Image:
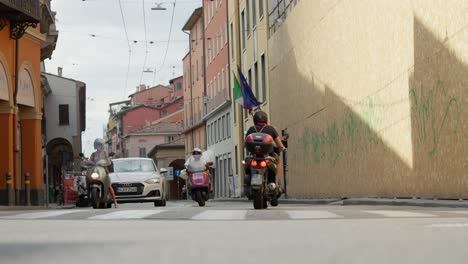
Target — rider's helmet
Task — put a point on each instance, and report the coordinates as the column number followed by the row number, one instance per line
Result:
column 97, row 142
column 260, row 117
column 196, row 151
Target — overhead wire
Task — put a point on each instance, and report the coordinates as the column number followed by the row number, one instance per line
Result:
column 146, row 41
column 129, row 48
column 156, row 70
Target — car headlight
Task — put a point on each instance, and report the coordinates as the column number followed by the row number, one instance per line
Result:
column 94, row 175
column 153, row 181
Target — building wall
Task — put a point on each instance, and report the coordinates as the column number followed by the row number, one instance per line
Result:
column 138, row 117
column 21, row 153
column 193, row 96
column 178, row 86
column 173, row 107
column 151, row 96
column 64, row 91
column 134, row 143
column 375, row 93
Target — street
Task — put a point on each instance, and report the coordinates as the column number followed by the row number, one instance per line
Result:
column 232, row 232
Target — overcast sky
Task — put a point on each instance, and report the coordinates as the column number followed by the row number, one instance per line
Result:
column 92, row 48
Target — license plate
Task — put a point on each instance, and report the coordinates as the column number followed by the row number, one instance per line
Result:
column 256, row 179
column 198, row 176
column 127, row 189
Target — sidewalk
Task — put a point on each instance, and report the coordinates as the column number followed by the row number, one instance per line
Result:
column 366, row 201
column 51, row 206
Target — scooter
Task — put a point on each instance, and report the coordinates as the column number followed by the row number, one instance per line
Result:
column 98, row 183
column 83, row 197
column 199, row 184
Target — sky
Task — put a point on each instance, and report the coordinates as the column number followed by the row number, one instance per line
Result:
column 92, row 47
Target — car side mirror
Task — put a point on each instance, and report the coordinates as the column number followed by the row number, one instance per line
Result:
column 162, row 170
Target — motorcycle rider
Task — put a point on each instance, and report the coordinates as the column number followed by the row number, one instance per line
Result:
column 197, row 163
column 101, row 154
column 260, row 119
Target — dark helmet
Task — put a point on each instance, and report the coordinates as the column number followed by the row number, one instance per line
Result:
column 260, row 116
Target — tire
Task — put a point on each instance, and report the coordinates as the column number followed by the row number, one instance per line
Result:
column 258, row 201
column 95, row 198
column 199, row 198
column 274, row 202
column 265, row 203
column 160, row 203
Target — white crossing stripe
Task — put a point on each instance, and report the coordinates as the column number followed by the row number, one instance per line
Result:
column 127, row 214
column 391, row 213
column 221, row 215
column 314, row 214
column 455, row 212
column 37, row 215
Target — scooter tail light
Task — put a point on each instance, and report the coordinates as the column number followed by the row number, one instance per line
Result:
column 254, row 163
column 263, row 164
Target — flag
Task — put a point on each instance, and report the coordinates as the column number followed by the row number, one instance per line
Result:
column 237, row 92
column 249, row 100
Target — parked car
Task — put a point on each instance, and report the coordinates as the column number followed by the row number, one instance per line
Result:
column 138, row 180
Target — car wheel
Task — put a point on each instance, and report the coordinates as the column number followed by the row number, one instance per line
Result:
column 160, row 203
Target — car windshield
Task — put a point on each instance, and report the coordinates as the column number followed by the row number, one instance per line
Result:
column 134, row 165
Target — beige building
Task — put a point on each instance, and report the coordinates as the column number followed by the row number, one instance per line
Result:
column 248, row 47
column 374, row 95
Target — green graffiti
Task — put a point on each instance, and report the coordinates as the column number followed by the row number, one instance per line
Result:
column 433, row 113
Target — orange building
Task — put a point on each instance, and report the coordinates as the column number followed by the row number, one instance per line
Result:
column 27, row 36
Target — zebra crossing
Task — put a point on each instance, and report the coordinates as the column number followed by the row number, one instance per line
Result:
column 217, row 214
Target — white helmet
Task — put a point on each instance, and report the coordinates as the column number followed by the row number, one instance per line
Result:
column 196, row 151
column 98, row 141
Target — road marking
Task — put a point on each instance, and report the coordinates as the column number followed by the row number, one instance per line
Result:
column 127, row 214
column 315, row 214
column 454, row 212
column 449, row 225
column 37, row 215
column 391, row 213
column 221, row 215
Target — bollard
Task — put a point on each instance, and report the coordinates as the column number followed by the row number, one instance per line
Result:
column 27, row 185
column 9, row 186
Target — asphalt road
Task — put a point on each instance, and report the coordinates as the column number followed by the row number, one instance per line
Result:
column 234, row 233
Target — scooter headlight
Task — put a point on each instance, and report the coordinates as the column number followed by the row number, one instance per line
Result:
column 153, row 181
column 94, row 175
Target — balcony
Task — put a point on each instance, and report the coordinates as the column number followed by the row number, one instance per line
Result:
column 21, row 14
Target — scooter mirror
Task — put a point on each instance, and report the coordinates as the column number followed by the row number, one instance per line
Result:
column 162, row 170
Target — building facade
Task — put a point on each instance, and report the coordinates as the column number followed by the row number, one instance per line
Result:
column 376, row 100
column 23, row 44
column 194, row 94
column 218, row 96
column 248, row 51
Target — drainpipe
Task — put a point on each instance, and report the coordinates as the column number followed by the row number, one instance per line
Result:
column 16, row 149
column 191, row 86
column 204, row 69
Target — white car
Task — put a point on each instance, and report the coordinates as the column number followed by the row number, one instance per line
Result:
column 138, row 180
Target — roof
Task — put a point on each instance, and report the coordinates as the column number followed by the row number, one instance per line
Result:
column 61, row 77
column 133, row 108
column 173, row 79
column 155, row 87
column 162, row 127
column 179, row 143
column 197, row 14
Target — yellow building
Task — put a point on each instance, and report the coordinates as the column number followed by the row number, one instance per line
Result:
column 24, row 42
column 374, row 95
column 248, row 51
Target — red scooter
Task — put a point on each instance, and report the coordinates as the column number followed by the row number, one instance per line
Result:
column 199, row 185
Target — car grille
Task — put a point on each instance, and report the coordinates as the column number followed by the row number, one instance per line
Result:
column 140, row 187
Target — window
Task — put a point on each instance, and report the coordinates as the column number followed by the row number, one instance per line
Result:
column 179, row 86
column 229, row 164
column 170, row 138
column 219, row 129
column 243, row 31
column 142, row 152
column 254, row 13
column 227, row 76
column 264, row 92
column 212, row 134
column 219, row 82
column 228, row 125
column 257, row 94
column 237, row 159
column 214, row 88
column 164, row 113
column 216, row 131
column 260, row 9
column 181, row 105
column 222, row 80
column 247, row 8
column 64, row 119
column 208, row 141
column 232, row 41
column 223, row 121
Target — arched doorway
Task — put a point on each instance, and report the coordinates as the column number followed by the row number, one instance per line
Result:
column 60, row 158
column 176, row 185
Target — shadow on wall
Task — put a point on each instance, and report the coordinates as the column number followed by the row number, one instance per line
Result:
column 339, row 151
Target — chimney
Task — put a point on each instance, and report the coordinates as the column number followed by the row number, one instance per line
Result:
column 60, row 69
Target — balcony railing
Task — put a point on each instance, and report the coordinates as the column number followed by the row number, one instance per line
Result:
column 22, row 10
